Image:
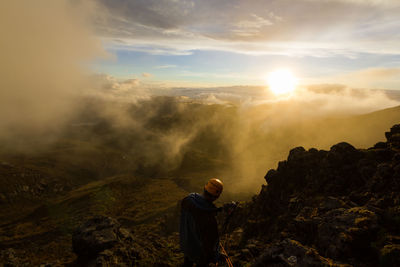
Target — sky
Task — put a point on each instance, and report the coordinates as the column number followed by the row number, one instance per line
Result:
column 236, row 42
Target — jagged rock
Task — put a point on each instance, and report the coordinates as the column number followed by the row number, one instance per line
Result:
column 396, row 158
column 379, row 155
column 344, row 203
column 3, row 198
column 331, row 203
column 102, row 242
column 384, row 170
column 343, row 154
column 292, row 253
column 390, row 255
column 396, row 174
column 367, row 168
column 395, row 128
column 9, row 259
column 342, row 148
column 296, row 153
column 95, row 235
column 346, row 232
column 393, row 137
column 381, row 145
column 270, row 175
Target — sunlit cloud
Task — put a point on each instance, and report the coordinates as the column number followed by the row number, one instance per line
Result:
column 367, row 2
column 165, row 66
column 131, row 82
column 252, row 26
column 369, row 78
column 312, row 100
column 146, row 75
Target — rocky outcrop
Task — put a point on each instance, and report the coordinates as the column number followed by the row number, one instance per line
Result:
column 9, row 258
column 326, row 208
column 101, row 241
column 319, row 208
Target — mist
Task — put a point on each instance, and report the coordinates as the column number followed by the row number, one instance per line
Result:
column 44, row 46
column 235, row 135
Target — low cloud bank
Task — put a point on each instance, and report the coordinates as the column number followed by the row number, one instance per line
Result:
column 236, row 133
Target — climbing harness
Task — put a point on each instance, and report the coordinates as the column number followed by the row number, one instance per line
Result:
column 223, row 232
column 228, row 260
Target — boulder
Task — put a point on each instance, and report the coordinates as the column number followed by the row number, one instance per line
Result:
column 296, row 153
column 343, row 148
column 381, row 145
column 95, row 235
column 331, row 203
column 344, row 233
column 101, row 241
column 390, row 255
column 9, row 258
column 393, row 137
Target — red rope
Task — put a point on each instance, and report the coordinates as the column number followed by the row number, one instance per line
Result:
column 228, row 260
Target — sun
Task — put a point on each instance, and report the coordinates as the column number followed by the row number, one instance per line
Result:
column 281, row 81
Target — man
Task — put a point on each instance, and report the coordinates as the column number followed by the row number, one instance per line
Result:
column 199, row 238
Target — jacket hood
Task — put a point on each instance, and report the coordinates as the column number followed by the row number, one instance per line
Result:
column 201, row 202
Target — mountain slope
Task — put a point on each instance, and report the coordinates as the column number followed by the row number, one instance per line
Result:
column 46, row 194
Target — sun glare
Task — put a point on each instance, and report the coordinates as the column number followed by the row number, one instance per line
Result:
column 281, row 81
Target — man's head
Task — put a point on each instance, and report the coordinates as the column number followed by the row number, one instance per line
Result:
column 213, row 189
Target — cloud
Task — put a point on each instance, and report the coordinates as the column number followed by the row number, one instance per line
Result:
column 146, row 75
column 150, row 47
column 44, row 46
column 390, row 3
column 252, row 26
column 106, row 82
column 321, row 99
column 311, row 101
column 109, row 88
column 378, row 73
column 370, row 78
column 303, row 27
column 131, row 82
column 165, row 67
column 340, row 99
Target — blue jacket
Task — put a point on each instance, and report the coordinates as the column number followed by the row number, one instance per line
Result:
column 199, row 238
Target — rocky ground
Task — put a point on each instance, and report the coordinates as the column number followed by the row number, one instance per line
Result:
column 45, row 235
column 337, row 207
column 325, row 208
column 320, row 208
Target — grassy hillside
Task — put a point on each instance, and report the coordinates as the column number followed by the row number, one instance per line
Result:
column 44, row 235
